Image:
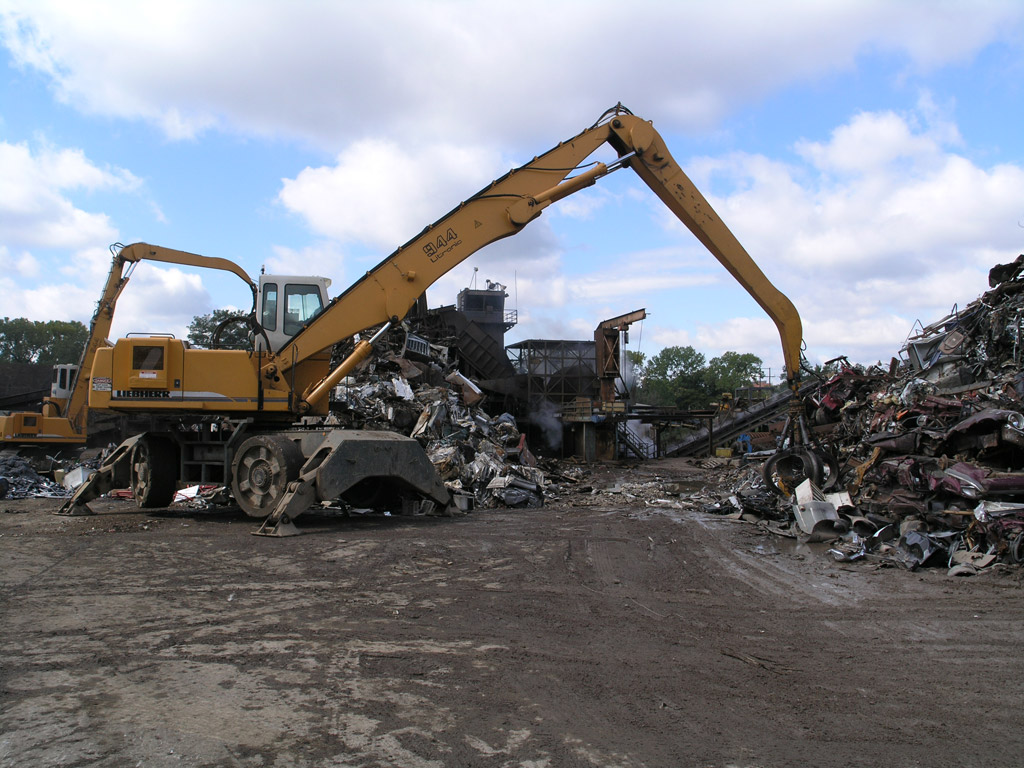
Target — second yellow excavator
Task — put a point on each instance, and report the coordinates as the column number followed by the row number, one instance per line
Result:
column 63, row 418
column 239, row 417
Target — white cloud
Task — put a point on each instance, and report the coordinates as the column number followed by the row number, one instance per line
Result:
column 68, row 293
column 157, row 299
column 628, row 286
column 868, row 143
column 411, row 99
column 51, row 264
column 583, row 205
column 382, row 194
column 915, row 225
column 337, row 71
column 35, row 210
column 23, row 264
column 324, row 259
column 885, row 142
column 160, row 300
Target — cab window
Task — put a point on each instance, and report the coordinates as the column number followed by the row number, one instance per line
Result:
column 302, row 303
column 269, row 320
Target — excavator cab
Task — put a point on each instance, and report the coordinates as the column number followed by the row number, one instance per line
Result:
column 61, row 387
column 63, row 381
column 286, row 303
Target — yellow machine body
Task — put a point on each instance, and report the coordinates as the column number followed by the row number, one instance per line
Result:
column 27, row 428
column 163, row 374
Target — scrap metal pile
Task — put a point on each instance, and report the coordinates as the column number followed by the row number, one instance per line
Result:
column 931, row 450
column 476, row 455
column 20, row 480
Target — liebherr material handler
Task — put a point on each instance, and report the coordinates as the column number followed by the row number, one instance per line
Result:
column 237, row 417
column 63, row 419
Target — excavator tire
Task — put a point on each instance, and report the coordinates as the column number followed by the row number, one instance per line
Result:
column 262, row 468
column 154, row 471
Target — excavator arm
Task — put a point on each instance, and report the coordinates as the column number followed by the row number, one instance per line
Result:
column 506, row 206
column 64, row 421
column 123, row 264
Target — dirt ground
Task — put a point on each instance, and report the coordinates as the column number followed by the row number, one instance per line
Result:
column 593, row 632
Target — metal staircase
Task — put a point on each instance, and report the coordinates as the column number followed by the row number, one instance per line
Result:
column 637, row 445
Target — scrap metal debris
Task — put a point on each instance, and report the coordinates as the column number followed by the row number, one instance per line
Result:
column 931, row 449
column 478, row 456
column 19, row 480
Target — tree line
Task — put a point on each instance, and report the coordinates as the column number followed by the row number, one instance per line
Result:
column 47, row 343
column 684, row 378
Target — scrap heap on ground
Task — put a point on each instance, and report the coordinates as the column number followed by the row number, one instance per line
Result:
column 20, row 480
column 931, row 449
column 477, row 455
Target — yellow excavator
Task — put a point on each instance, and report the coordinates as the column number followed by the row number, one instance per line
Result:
column 248, row 418
column 63, row 419
column 59, row 422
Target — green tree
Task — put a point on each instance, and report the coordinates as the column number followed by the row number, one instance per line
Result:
column 46, row 342
column 233, row 336
column 682, row 377
column 674, row 377
column 730, row 371
column 638, row 359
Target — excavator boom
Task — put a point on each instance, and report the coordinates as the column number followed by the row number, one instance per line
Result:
column 508, row 204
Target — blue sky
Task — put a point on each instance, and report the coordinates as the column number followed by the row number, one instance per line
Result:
column 867, row 154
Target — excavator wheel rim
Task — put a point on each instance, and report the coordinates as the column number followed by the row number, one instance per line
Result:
column 261, row 471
